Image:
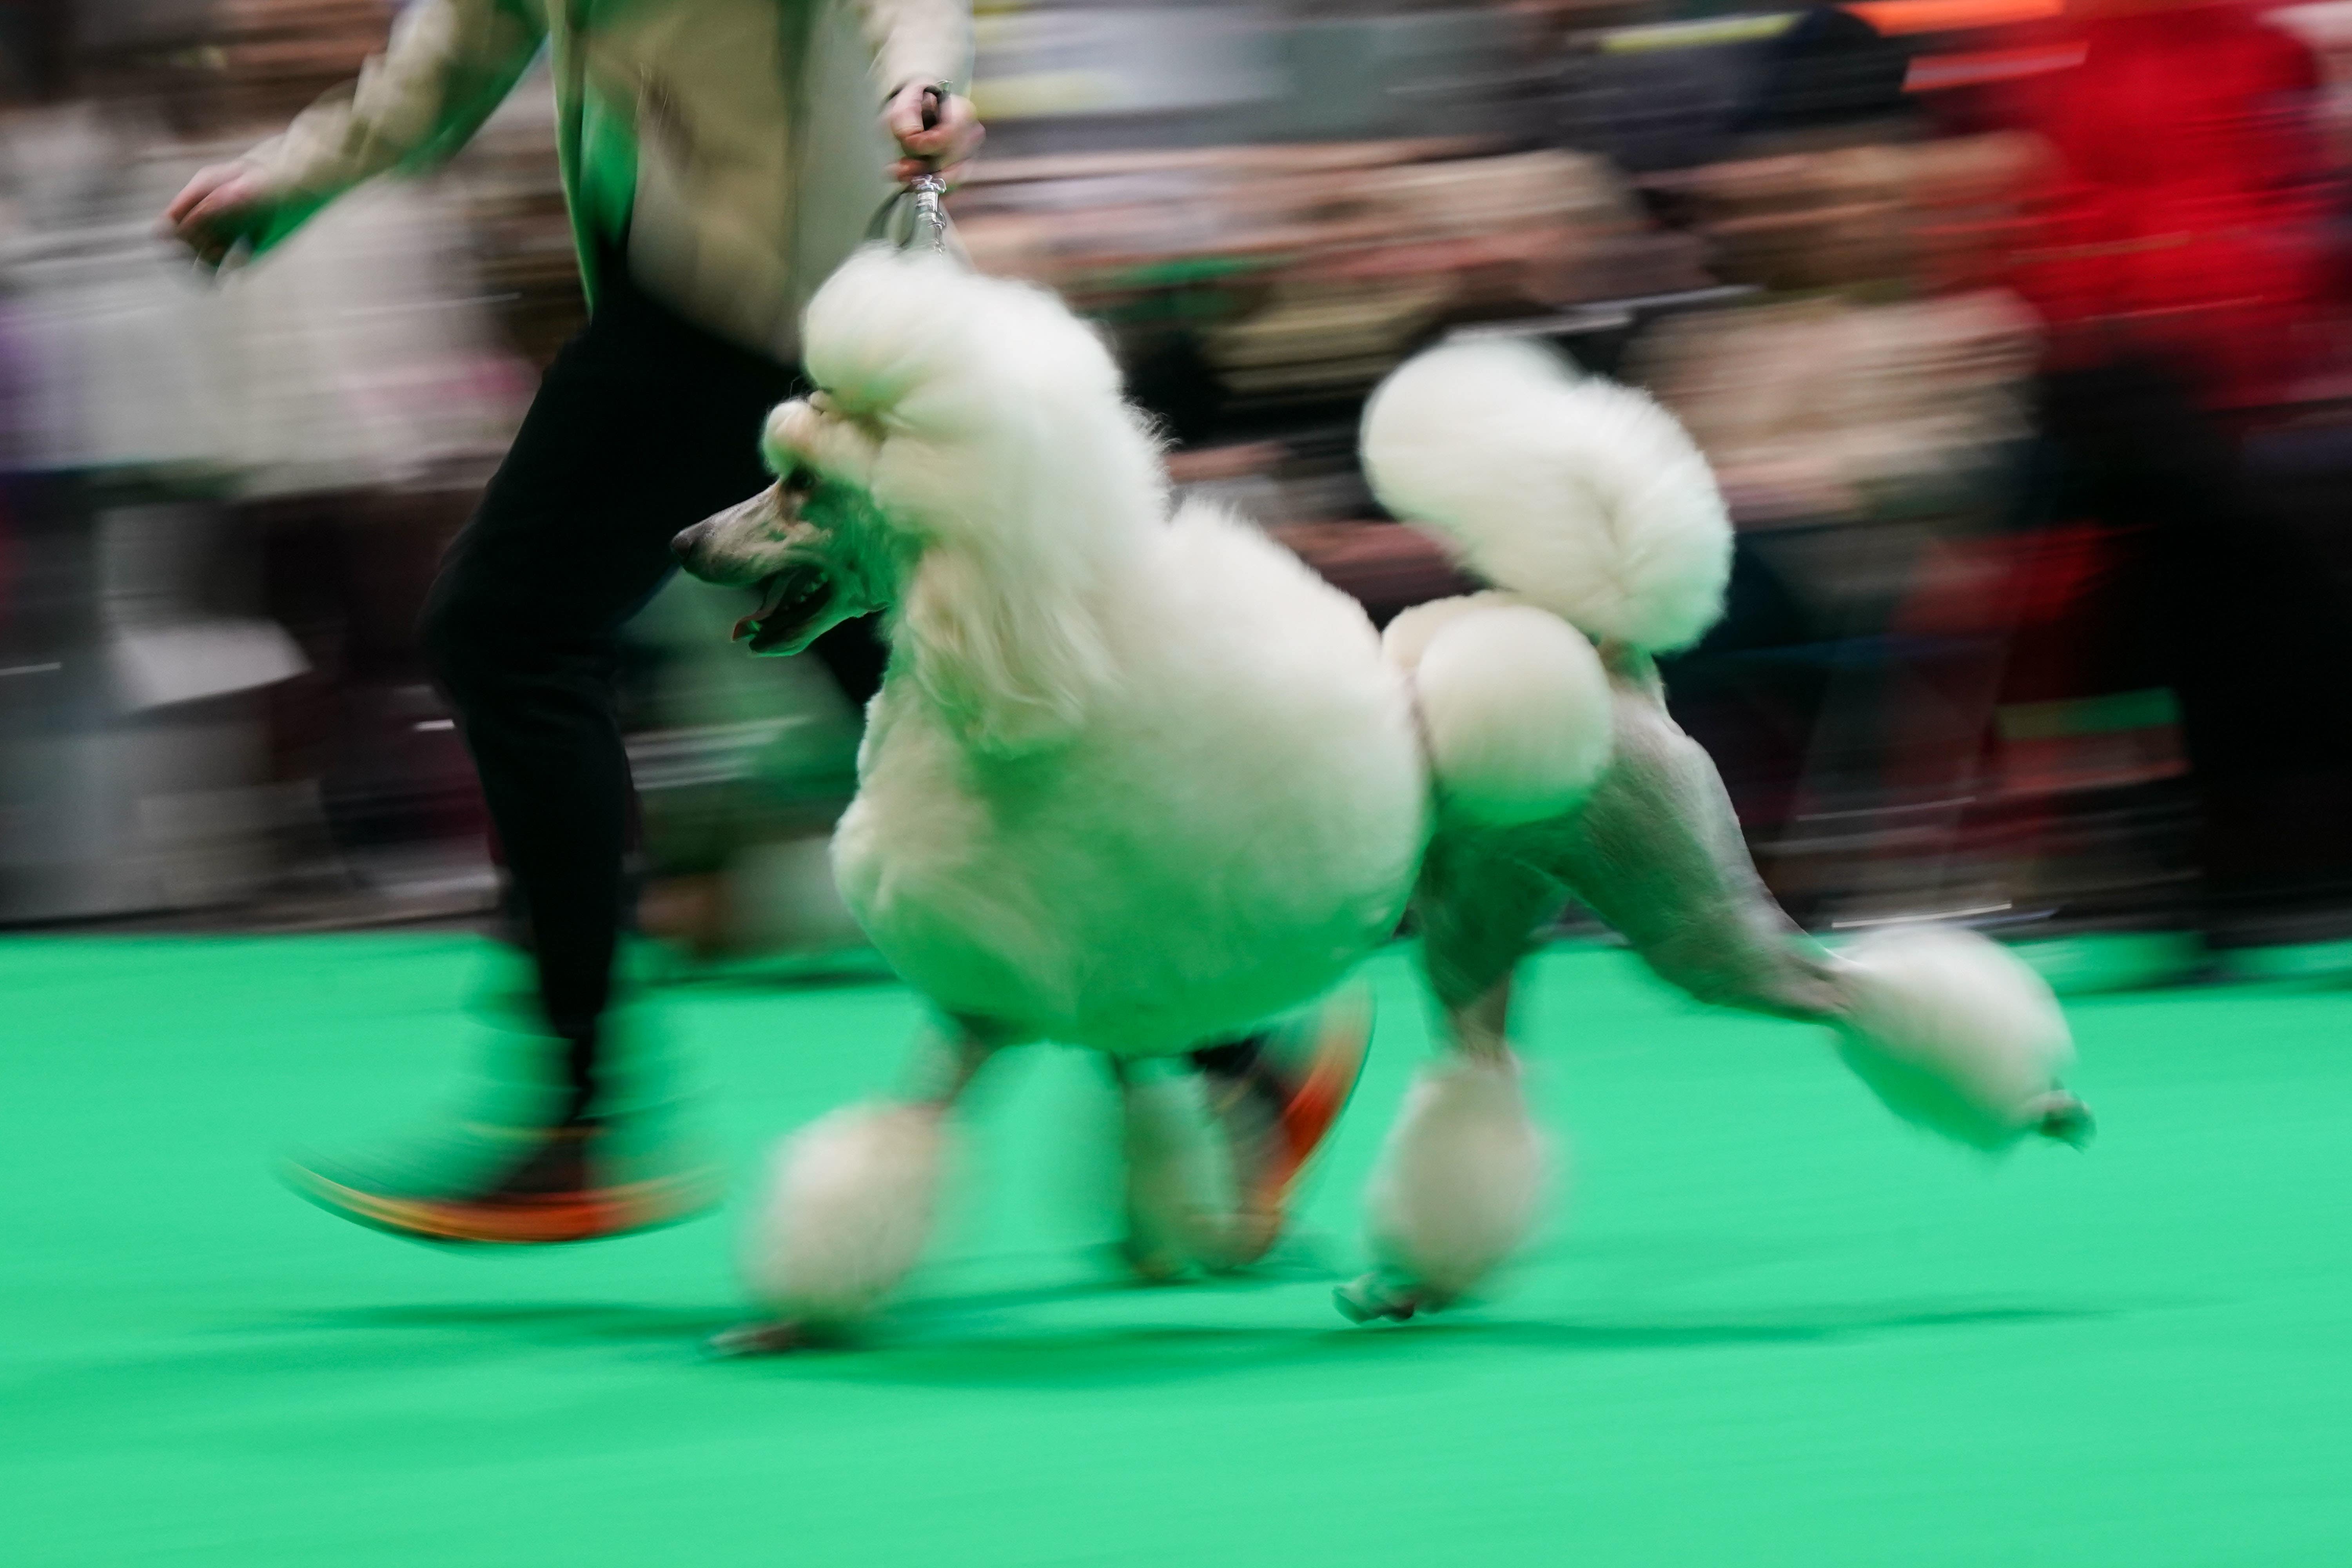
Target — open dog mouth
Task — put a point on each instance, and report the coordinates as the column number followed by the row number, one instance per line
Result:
column 790, row 602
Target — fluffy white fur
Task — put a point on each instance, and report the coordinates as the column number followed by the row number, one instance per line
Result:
column 1135, row 781
column 846, row 1211
column 1461, row 1180
column 1179, row 1202
column 1954, row 1033
column 1515, row 706
column 1409, row 635
column 988, row 424
column 1579, row 494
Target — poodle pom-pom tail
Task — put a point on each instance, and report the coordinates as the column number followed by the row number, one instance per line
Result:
column 1578, row 494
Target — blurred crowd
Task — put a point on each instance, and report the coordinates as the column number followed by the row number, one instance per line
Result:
column 2016, row 331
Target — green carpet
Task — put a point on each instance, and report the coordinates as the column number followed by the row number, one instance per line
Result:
column 1770, row 1326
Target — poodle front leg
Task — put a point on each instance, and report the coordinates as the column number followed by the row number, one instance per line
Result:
column 1945, row 1027
column 1461, row 1178
column 1180, row 1206
column 1215, row 1154
column 849, row 1202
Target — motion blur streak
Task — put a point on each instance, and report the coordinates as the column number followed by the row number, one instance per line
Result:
column 2016, row 335
column 2019, row 333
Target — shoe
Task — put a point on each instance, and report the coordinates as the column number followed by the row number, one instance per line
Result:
column 546, row 1185
column 1278, row 1105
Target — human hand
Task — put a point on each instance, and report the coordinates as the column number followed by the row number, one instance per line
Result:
column 935, row 129
column 221, row 205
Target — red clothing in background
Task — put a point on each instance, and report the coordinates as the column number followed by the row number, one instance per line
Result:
column 2188, row 212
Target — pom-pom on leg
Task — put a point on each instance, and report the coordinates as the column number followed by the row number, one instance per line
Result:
column 846, row 1212
column 1515, row 712
column 1954, row 1035
column 1457, row 1190
column 1179, row 1213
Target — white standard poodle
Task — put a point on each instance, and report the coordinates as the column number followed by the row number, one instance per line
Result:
column 1587, row 505
column 1137, row 782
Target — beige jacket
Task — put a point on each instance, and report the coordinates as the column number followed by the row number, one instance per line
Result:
column 737, row 143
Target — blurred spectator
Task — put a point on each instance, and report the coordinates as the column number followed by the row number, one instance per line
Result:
column 1865, row 410
column 377, row 393
column 1968, row 607
column 134, row 650
column 2185, row 251
column 2031, row 423
column 2185, row 213
column 317, row 428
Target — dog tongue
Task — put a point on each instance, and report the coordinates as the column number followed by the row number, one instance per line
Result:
column 772, row 595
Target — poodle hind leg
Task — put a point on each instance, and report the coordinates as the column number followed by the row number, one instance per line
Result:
column 1461, row 1177
column 1658, row 853
column 848, row 1203
column 1954, row 1035
column 1946, row 1028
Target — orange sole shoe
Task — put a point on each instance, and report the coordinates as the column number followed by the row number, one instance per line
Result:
column 516, row 1219
column 1310, row 1105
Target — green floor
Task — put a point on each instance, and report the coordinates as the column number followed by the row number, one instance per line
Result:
column 1769, row 1325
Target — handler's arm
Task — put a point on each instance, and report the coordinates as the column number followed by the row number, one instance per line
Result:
column 920, row 44
column 448, row 65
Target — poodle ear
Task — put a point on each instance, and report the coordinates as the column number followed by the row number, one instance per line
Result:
column 1013, row 668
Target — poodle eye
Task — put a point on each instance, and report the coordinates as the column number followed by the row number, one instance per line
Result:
column 797, row 481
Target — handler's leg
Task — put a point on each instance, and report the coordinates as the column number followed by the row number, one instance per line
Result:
column 644, row 425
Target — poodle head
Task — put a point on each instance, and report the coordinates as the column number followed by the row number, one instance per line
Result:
column 813, row 544
column 969, row 466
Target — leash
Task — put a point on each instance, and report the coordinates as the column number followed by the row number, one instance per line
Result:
column 923, row 202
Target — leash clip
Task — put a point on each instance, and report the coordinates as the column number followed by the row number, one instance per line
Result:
column 929, row 192
column 926, row 225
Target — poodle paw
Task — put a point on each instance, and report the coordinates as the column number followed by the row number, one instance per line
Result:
column 1153, row 1264
column 1251, row 1236
column 1381, row 1297
column 2065, row 1119
column 765, row 1339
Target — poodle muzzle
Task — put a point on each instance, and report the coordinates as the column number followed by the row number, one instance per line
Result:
column 739, row 548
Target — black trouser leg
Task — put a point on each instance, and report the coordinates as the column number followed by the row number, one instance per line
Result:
column 2241, row 619
column 644, row 425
